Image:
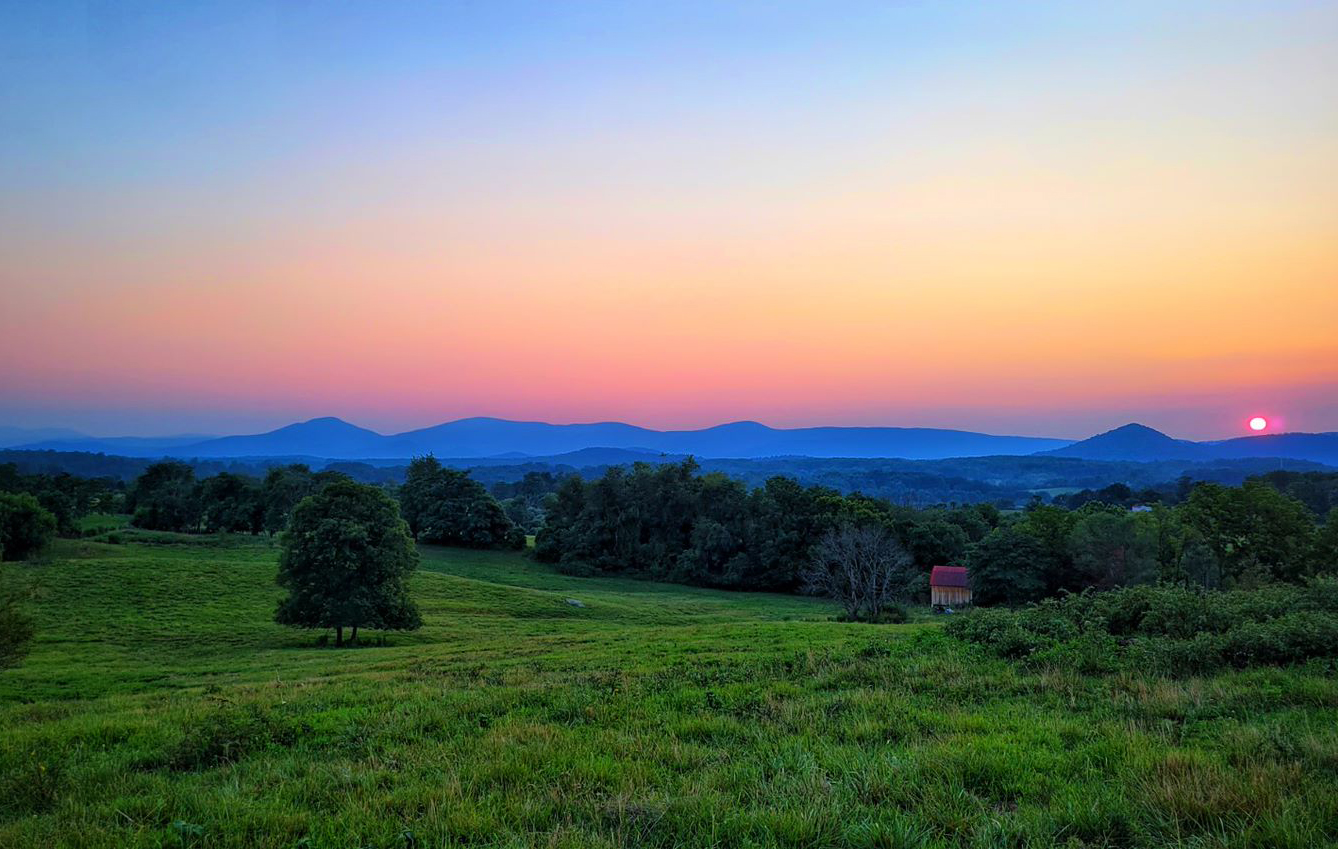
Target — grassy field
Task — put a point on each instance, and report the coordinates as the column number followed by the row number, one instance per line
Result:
column 161, row 707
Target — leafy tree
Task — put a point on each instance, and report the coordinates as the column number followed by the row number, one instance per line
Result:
column 64, row 495
column 525, row 515
column 1113, row 548
column 934, row 542
column 165, row 498
column 1052, row 527
column 863, row 568
column 1318, row 491
column 25, row 526
column 284, row 488
column 523, row 500
column 447, row 507
column 1199, row 565
column 784, row 518
column 16, row 629
column 1326, row 545
column 345, row 560
column 1256, row 533
column 975, row 521
column 1008, row 567
column 232, row 503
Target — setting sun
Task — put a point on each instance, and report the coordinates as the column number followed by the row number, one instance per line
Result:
column 1258, row 423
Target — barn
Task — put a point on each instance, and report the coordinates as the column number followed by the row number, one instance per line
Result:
column 949, row 586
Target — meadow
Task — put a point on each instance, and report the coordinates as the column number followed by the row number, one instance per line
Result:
column 161, row 706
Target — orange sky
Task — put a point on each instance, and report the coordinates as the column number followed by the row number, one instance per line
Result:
column 1058, row 227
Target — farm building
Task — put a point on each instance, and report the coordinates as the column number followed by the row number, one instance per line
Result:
column 949, row 586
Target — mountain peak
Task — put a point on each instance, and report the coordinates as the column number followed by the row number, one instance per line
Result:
column 1135, row 429
column 1133, row 441
column 744, row 425
column 323, row 424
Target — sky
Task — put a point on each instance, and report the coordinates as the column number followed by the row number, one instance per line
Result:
column 1036, row 218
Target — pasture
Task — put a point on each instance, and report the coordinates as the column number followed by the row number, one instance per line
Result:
column 162, row 707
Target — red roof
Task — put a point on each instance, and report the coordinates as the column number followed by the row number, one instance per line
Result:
column 948, row 576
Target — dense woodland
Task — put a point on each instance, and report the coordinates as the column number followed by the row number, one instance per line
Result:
column 671, row 522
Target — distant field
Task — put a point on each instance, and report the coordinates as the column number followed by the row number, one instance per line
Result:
column 161, row 707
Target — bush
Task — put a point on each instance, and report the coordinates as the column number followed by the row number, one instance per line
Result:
column 25, row 526
column 894, row 614
column 227, row 736
column 1171, row 630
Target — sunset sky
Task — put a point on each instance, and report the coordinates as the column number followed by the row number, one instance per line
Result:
column 1032, row 218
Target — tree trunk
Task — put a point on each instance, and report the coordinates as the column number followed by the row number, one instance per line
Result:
column 339, row 636
column 353, row 638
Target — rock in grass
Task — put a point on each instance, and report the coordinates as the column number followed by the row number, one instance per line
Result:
column 575, row 602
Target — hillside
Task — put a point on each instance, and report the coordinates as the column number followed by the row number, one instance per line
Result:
column 161, row 707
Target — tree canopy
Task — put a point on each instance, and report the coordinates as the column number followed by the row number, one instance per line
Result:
column 345, row 561
column 165, row 498
column 447, row 507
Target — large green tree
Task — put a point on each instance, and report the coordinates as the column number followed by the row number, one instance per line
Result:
column 346, row 559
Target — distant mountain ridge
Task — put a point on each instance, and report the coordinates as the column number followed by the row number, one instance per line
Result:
column 488, row 437
column 10, row 435
column 502, row 439
column 1141, row 443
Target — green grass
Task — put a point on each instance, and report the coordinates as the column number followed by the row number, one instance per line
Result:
column 100, row 523
column 161, row 707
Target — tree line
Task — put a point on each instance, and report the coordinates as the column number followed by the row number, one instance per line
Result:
column 670, row 523
column 442, row 506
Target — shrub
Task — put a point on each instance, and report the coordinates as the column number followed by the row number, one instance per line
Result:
column 226, row 736
column 1171, row 630
column 25, row 526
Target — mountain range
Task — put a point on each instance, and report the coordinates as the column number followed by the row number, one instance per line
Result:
column 490, row 438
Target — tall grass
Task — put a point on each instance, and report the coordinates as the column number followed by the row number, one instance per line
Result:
column 161, row 707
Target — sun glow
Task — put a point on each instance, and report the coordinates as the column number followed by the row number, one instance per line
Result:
column 1258, row 423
